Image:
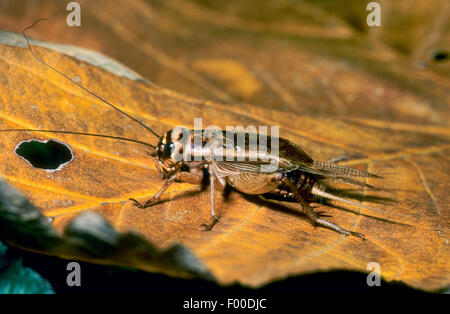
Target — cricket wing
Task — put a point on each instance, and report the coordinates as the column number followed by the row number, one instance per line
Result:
column 292, row 156
column 285, row 154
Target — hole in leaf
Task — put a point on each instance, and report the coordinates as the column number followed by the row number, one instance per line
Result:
column 49, row 155
column 439, row 56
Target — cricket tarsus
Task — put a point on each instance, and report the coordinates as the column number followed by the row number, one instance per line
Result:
column 140, row 205
column 79, row 85
column 212, row 222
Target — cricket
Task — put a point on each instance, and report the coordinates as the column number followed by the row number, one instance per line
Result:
column 297, row 177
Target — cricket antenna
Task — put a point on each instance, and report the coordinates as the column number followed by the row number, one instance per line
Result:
column 79, row 85
column 81, row 133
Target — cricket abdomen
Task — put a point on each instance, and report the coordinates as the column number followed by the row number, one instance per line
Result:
column 303, row 182
column 272, row 183
column 254, row 183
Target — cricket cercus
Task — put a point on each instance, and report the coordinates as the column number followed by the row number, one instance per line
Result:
column 297, row 177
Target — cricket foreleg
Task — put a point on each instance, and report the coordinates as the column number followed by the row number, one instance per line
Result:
column 194, row 176
column 314, row 217
column 156, row 197
column 214, row 218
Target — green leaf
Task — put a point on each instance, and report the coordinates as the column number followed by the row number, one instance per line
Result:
column 3, row 261
column 18, row 279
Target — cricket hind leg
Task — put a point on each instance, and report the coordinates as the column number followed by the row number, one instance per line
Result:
column 194, row 176
column 314, row 217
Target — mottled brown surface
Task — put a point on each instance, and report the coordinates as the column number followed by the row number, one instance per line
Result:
column 333, row 89
column 306, row 57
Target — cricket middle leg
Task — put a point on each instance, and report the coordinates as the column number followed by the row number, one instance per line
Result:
column 214, row 218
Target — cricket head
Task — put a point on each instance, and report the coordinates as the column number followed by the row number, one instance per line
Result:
column 170, row 149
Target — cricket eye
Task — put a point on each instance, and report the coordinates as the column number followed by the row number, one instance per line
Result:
column 167, row 150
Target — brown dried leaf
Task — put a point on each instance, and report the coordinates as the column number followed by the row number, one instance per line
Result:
column 258, row 241
column 306, row 57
